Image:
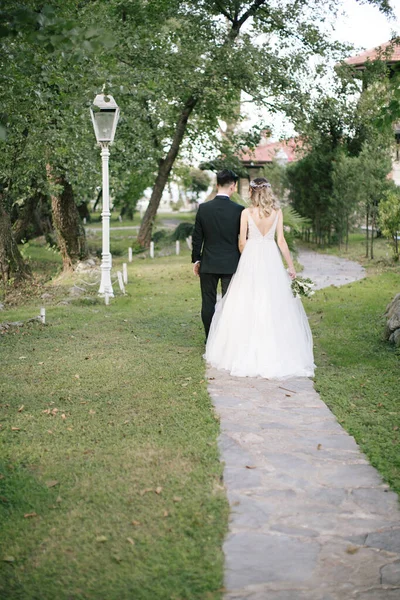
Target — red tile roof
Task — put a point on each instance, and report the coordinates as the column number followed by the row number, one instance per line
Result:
column 392, row 49
column 267, row 152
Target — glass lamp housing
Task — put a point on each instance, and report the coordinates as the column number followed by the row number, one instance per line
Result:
column 105, row 114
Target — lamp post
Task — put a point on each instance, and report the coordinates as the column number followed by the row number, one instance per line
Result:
column 105, row 115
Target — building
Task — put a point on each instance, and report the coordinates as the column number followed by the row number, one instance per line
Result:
column 265, row 153
column 389, row 52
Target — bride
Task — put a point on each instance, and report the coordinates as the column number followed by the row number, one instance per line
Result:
column 259, row 328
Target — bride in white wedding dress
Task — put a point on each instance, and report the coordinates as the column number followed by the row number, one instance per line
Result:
column 259, row 328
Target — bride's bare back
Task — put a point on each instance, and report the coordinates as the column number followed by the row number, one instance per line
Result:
column 264, row 224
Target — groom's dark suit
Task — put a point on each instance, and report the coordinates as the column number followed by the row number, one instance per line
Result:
column 215, row 244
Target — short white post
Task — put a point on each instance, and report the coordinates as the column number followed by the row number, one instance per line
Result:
column 43, row 315
column 189, row 242
column 177, row 247
column 106, row 298
column 121, row 282
column 125, row 272
column 84, row 220
column 151, row 249
column 120, row 218
column 130, row 254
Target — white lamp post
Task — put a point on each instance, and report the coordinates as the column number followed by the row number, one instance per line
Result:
column 105, row 114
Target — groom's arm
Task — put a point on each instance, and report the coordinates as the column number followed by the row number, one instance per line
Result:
column 197, row 238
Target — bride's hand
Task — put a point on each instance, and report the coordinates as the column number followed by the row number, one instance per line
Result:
column 292, row 273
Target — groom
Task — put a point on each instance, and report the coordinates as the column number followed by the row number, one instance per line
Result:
column 215, row 252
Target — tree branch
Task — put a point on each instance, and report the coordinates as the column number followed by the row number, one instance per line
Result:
column 150, row 123
column 224, row 12
column 249, row 13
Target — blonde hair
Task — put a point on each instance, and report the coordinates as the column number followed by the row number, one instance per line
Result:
column 262, row 197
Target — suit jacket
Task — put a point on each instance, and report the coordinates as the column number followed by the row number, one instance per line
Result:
column 215, row 236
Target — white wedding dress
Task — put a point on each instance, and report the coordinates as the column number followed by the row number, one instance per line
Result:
column 259, row 328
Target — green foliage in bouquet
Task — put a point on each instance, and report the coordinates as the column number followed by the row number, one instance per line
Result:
column 302, row 286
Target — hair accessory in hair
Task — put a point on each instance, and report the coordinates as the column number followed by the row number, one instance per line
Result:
column 259, row 186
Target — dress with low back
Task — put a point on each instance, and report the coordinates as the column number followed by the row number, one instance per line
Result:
column 259, row 328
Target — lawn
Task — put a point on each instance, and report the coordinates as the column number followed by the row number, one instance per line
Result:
column 110, row 480
column 358, row 372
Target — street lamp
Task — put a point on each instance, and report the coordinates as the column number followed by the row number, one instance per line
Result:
column 105, row 114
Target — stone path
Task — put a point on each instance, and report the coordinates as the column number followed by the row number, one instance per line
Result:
column 310, row 518
column 327, row 270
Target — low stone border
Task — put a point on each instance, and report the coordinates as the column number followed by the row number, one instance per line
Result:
column 392, row 332
column 4, row 327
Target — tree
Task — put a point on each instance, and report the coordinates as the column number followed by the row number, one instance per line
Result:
column 11, row 262
column 189, row 73
column 389, row 218
column 193, row 181
column 67, row 223
column 348, row 157
column 277, row 176
column 346, row 176
column 374, row 166
column 175, row 68
column 46, row 71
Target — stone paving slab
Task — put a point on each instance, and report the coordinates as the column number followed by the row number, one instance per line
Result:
column 327, row 270
column 311, row 519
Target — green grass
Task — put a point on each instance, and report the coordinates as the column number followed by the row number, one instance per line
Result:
column 128, row 379
column 175, row 216
column 44, row 261
column 358, row 372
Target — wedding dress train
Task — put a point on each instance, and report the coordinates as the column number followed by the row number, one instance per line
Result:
column 259, row 328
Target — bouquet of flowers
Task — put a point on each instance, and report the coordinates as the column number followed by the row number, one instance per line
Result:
column 302, row 286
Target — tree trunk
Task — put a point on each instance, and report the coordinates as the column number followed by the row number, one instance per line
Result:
column 372, row 232
column 32, row 219
column 99, row 196
column 11, row 261
column 84, row 213
column 127, row 211
column 67, row 223
column 164, row 170
column 166, row 164
column 367, row 238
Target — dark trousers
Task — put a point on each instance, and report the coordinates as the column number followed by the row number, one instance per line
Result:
column 209, row 284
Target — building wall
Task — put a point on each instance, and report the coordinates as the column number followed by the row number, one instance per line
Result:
column 396, row 171
column 243, row 183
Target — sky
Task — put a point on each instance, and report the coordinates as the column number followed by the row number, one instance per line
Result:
column 362, row 25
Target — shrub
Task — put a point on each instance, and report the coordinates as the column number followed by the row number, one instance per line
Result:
column 183, row 231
